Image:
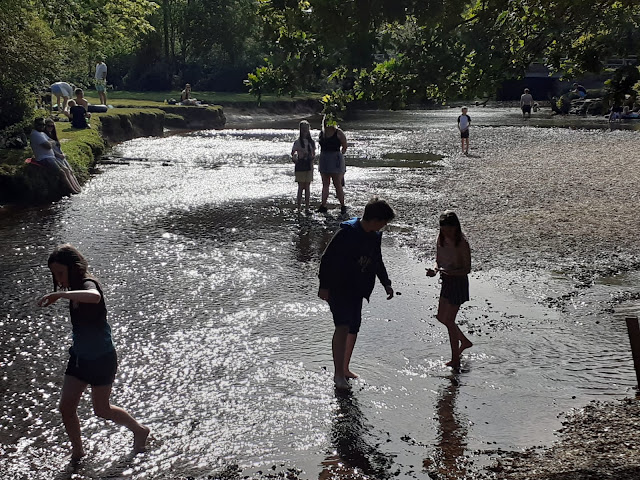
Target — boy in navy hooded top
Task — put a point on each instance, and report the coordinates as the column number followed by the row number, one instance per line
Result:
column 348, row 270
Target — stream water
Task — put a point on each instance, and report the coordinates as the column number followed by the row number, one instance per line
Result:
column 224, row 347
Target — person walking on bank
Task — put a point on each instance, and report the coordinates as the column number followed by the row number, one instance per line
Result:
column 101, row 81
column 348, row 270
column 464, row 122
column 526, row 103
column 453, row 262
column 93, row 359
column 333, row 145
column 303, row 153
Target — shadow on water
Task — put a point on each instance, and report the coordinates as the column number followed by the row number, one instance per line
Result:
column 452, row 432
column 355, row 456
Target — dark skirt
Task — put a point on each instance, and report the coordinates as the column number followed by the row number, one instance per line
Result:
column 455, row 288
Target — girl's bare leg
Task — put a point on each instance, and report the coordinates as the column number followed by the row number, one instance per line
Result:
column 351, row 343
column 447, row 316
column 307, row 194
column 326, row 183
column 337, row 183
column 103, row 409
column 299, row 197
column 72, row 390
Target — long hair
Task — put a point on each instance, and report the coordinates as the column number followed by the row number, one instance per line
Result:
column 450, row 219
column 69, row 256
column 53, row 134
column 310, row 145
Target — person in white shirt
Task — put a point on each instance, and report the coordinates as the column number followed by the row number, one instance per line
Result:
column 526, row 102
column 101, row 81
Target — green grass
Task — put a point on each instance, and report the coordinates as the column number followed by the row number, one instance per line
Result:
column 153, row 99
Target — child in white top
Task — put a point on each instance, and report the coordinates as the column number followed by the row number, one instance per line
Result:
column 302, row 153
column 453, row 262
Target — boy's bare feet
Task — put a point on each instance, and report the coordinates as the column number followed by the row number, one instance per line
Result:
column 140, row 440
column 350, row 374
column 341, row 383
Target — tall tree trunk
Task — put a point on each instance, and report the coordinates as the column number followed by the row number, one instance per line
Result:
column 165, row 15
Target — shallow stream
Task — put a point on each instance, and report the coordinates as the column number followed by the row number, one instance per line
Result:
column 224, row 347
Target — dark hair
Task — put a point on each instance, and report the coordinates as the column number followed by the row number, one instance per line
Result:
column 311, row 145
column 378, row 209
column 53, row 134
column 78, row 91
column 450, row 219
column 69, row 256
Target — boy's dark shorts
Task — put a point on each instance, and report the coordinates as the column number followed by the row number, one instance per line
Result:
column 526, row 109
column 347, row 311
column 98, row 372
column 464, row 134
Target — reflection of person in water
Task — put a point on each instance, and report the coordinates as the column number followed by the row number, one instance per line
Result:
column 354, row 457
column 451, row 436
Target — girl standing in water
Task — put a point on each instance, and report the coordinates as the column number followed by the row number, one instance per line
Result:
column 92, row 358
column 453, row 262
column 303, row 153
column 333, row 145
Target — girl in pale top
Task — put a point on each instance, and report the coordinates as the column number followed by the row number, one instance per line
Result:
column 303, row 152
column 453, row 262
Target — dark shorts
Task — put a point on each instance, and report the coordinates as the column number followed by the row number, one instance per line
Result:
column 347, row 311
column 526, row 108
column 464, row 134
column 98, row 372
column 455, row 289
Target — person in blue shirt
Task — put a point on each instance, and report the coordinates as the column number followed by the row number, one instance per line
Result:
column 348, row 269
column 92, row 356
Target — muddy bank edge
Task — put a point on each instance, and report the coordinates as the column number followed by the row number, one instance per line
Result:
column 27, row 184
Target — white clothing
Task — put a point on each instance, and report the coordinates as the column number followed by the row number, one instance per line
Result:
column 62, row 89
column 101, row 71
column 463, row 122
column 526, row 99
column 39, row 150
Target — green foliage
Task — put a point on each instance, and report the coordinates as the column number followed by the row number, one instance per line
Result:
column 624, row 83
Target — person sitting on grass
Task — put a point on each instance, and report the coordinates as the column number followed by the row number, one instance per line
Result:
column 78, row 115
column 61, row 158
column 42, row 147
column 80, row 100
column 185, row 96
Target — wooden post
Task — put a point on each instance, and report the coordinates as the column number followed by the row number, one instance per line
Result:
column 634, row 337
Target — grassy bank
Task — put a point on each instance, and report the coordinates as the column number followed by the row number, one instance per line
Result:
column 122, row 98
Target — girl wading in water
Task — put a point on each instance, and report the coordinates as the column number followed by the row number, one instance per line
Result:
column 333, row 145
column 453, row 262
column 92, row 358
column 303, row 153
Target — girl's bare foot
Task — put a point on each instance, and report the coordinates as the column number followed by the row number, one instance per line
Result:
column 350, row 374
column 453, row 363
column 140, row 440
column 465, row 345
column 77, row 454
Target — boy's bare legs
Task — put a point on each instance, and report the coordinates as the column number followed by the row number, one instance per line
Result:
column 351, row 343
column 339, row 348
column 103, row 409
column 72, row 390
